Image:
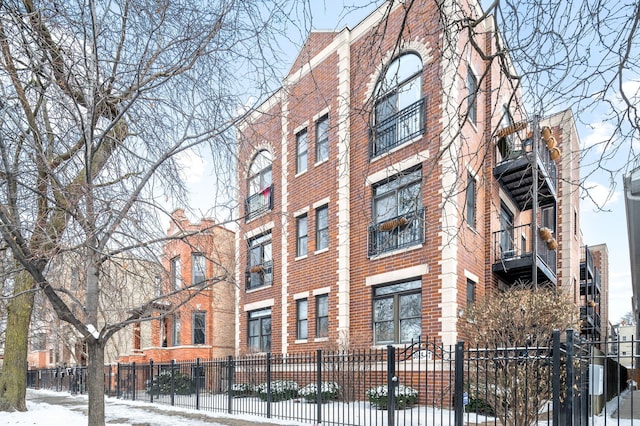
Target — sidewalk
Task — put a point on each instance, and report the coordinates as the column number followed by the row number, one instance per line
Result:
column 630, row 406
column 146, row 414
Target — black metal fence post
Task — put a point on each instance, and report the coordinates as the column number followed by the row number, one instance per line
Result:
column 197, row 378
column 151, row 379
column 555, row 380
column 229, row 384
column 568, row 421
column 458, row 396
column 268, row 385
column 132, row 383
column 319, row 386
column 391, row 385
column 172, row 381
column 118, row 381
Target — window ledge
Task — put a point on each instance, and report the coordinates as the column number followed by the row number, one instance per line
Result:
column 396, row 252
column 262, row 287
column 324, row 250
column 321, row 339
column 321, row 162
column 301, row 173
column 472, row 229
column 297, row 341
column 304, row 256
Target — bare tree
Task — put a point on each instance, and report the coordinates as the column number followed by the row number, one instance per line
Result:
column 509, row 335
column 98, row 104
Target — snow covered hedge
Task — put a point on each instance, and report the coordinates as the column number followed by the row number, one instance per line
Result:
column 405, row 396
column 329, row 391
column 281, row 390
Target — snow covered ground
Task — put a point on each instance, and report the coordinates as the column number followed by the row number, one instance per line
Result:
column 127, row 413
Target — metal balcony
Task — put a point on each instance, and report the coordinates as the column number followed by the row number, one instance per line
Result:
column 514, row 260
column 259, row 203
column 259, row 275
column 396, row 233
column 397, row 129
column 514, row 171
column 590, row 320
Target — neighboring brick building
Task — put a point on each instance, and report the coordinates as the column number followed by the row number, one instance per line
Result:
column 196, row 315
column 383, row 192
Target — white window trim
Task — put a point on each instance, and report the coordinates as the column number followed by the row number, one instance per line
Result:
column 401, row 274
column 396, row 168
column 259, row 230
column 254, row 306
column 321, row 291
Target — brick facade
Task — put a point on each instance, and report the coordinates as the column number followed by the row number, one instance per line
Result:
column 337, row 75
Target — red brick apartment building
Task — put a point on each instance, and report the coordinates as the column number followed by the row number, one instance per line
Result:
column 199, row 320
column 381, row 194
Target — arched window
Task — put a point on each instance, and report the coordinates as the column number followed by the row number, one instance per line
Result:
column 399, row 105
column 259, row 185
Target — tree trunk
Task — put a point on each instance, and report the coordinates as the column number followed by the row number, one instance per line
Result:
column 95, row 381
column 13, row 381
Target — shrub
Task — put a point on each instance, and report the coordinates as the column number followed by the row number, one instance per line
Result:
column 161, row 384
column 328, row 390
column 405, row 396
column 479, row 406
column 239, row 390
column 281, row 390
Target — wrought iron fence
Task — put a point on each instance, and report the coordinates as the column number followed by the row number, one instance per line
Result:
column 568, row 382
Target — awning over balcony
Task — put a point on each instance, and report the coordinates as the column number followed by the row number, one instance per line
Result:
column 632, row 201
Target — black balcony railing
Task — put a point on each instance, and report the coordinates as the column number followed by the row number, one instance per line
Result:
column 513, row 250
column 513, row 159
column 259, row 275
column 259, row 202
column 397, row 233
column 398, row 128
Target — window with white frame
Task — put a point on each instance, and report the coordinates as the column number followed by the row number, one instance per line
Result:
column 302, row 151
column 322, row 139
column 259, row 335
column 397, row 212
column 470, row 212
column 399, row 106
column 322, row 227
column 472, row 96
column 198, row 268
column 175, row 330
column 302, row 239
column 322, row 315
column 302, row 319
column 397, row 312
column 199, row 327
column 176, row 272
column 260, row 261
column 259, row 185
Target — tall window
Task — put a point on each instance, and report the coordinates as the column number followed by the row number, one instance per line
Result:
column 397, row 312
column 398, row 213
column 260, row 268
column 260, row 330
column 259, row 185
column 322, row 139
column 322, row 315
column 198, row 267
column 175, row 331
column 471, row 200
column 322, row 227
column 175, row 272
column 399, row 109
column 471, row 292
column 472, row 96
column 301, row 235
column 198, row 332
column 302, row 312
column 302, row 147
